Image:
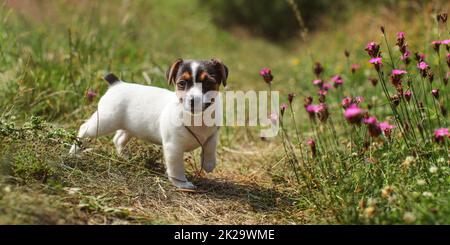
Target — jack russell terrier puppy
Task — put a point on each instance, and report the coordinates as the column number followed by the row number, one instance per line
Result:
column 148, row 113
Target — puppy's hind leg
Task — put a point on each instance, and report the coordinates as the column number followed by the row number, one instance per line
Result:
column 97, row 125
column 120, row 140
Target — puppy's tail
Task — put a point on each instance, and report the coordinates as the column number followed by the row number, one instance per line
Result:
column 111, row 79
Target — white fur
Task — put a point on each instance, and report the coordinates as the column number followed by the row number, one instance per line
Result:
column 195, row 93
column 147, row 112
column 194, row 69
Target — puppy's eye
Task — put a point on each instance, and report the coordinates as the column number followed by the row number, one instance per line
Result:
column 181, row 84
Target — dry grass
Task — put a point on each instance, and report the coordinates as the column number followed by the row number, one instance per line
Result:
column 100, row 187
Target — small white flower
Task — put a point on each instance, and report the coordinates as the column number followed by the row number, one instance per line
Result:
column 371, row 202
column 409, row 160
column 433, row 169
column 370, row 212
column 421, row 182
column 392, row 199
column 427, row 194
column 409, row 217
column 72, row 190
column 386, row 191
column 441, row 160
column 7, row 189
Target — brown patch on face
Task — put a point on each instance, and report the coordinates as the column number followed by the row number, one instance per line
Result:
column 184, row 82
column 186, row 76
column 208, row 82
column 203, row 76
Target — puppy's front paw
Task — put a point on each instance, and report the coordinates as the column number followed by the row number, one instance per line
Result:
column 186, row 185
column 209, row 166
column 74, row 150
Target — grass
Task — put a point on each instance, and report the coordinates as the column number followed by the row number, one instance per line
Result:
column 100, row 187
column 51, row 54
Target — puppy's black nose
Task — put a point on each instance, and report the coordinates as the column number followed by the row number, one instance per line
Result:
column 206, row 105
column 194, row 101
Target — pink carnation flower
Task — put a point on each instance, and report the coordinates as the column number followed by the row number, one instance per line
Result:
column 90, row 95
column 312, row 108
column 422, row 65
column 370, row 120
column 373, row 49
column 407, row 95
column 359, row 99
column 398, row 72
column 326, row 86
column 337, row 80
column 283, row 107
column 266, row 73
column 372, row 125
column 346, row 102
column 376, row 61
column 386, row 128
column 354, row 114
column 355, row 67
column 436, row 45
column 440, row 134
column 405, row 55
column 318, row 82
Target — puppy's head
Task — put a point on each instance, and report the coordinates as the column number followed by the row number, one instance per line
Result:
column 197, row 82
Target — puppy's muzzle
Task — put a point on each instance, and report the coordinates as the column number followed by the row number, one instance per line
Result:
column 196, row 103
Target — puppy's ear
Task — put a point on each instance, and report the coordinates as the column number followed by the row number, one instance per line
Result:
column 221, row 71
column 171, row 73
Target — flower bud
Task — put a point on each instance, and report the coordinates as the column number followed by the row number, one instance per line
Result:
column 407, row 95
column 266, row 73
column 435, row 93
column 318, row 69
column 312, row 145
column 291, row 97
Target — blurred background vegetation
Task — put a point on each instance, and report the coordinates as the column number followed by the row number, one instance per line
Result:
column 58, row 50
column 275, row 20
column 53, row 52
